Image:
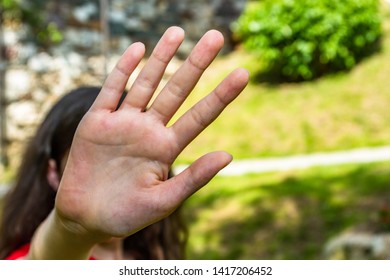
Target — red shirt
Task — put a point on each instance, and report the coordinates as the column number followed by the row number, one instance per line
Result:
column 19, row 253
column 23, row 251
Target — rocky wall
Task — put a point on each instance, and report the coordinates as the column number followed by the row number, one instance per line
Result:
column 36, row 77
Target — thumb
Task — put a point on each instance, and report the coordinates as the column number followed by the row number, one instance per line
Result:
column 199, row 173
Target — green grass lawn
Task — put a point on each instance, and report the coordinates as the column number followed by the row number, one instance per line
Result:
column 286, row 215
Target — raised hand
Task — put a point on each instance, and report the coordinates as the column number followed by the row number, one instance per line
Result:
column 115, row 181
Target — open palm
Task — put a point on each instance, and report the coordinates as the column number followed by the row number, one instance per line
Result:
column 116, row 178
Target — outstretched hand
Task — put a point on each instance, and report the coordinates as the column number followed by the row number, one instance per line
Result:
column 116, row 178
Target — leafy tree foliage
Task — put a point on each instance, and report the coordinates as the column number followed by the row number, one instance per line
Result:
column 32, row 14
column 302, row 40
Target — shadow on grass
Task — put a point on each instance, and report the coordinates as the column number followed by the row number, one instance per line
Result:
column 291, row 217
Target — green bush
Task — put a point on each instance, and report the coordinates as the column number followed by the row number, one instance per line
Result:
column 301, row 40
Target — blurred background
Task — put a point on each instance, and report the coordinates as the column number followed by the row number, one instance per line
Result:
column 310, row 135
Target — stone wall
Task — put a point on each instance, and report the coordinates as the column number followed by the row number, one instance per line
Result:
column 37, row 77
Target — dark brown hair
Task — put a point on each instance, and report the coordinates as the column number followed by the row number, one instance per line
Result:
column 32, row 198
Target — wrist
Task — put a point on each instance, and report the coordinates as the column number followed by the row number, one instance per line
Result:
column 57, row 238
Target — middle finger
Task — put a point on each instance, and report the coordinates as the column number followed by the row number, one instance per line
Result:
column 185, row 79
column 150, row 76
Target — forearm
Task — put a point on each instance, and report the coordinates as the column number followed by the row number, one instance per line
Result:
column 53, row 240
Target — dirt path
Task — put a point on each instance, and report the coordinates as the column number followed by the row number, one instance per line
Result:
column 242, row 167
column 363, row 155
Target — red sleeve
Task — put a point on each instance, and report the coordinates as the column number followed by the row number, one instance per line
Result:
column 19, row 253
column 23, row 251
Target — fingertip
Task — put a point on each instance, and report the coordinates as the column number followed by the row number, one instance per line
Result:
column 242, row 74
column 175, row 28
column 239, row 79
column 245, row 72
column 137, row 49
column 197, row 175
column 210, row 164
column 174, row 34
column 215, row 36
column 226, row 157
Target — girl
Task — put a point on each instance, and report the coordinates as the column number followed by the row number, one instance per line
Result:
column 32, row 198
column 116, row 178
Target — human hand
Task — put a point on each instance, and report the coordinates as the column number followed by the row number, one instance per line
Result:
column 116, row 178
